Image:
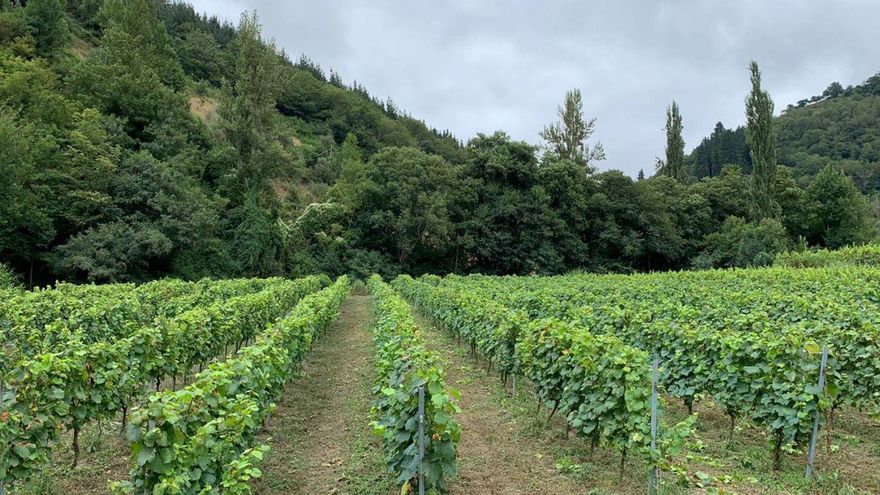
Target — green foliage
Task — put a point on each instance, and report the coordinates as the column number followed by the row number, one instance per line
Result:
column 25, row 225
column 248, row 112
column 723, row 147
column 761, row 139
column 113, row 252
column 867, row 255
column 567, row 138
column 201, row 57
column 403, row 365
column 98, row 347
column 674, row 164
column 407, row 203
column 838, row 213
column 508, row 224
column 134, row 24
column 200, row 439
column 8, row 278
column 742, row 244
column 49, row 25
column 142, row 139
column 598, row 383
column 750, row 339
column 257, row 241
column 838, row 128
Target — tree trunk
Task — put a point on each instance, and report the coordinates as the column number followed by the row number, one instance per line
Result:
column 732, row 424
column 75, row 446
column 555, row 407
column 777, row 452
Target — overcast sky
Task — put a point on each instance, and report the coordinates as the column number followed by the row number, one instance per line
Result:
column 482, row 65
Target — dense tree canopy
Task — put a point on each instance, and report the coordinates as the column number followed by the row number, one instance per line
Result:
column 840, row 127
column 139, row 139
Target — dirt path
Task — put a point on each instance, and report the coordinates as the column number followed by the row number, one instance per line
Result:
column 321, row 438
column 495, row 456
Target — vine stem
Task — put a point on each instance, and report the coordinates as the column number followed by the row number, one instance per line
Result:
column 75, row 446
column 777, row 452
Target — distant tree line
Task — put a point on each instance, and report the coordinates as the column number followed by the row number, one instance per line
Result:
column 840, row 127
column 139, row 139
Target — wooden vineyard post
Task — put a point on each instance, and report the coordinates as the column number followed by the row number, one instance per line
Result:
column 811, row 454
column 421, row 440
column 652, row 473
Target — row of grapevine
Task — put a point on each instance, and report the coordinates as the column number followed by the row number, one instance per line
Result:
column 598, row 383
column 200, row 439
column 867, row 255
column 39, row 320
column 403, row 365
column 83, row 382
column 810, row 308
column 766, row 372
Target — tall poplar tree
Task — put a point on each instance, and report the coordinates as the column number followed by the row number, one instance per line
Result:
column 762, row 147
column 567, row 138
column 674, row 166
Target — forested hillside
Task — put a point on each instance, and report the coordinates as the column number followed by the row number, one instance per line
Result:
column 139, row 139
column 840, row 127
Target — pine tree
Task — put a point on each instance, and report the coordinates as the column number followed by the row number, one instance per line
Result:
column 674, row 165
column 567, row 139
column 641, row 175
column 762, row 146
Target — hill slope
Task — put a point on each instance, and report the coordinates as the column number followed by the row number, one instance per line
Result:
column 139, row 139
column 841, row 127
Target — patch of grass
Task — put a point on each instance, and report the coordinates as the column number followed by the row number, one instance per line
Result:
column 104, row 457
column 365, row 471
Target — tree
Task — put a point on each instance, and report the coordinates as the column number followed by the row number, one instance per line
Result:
column 48, row 21
column 407, row 204
column 349, row 189
column 257, row 242
column 134, row 73
column 742, row 244
column 675, row 219
column 248, row 110
column 25, row 221
column 161, row 223
column 762, row 146
column 727, row 193
column 150, row 45
column 8, row 278
column 112, row 252
column 838, row 214
column 568, row 137
column 201, row 56
column 674, row 164
column 723, row 147
column 509, row 224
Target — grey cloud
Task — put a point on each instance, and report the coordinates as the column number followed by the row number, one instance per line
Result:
column 480, row 66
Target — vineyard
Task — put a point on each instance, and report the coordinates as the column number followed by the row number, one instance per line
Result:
column 653, row 371
column 75, row 355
